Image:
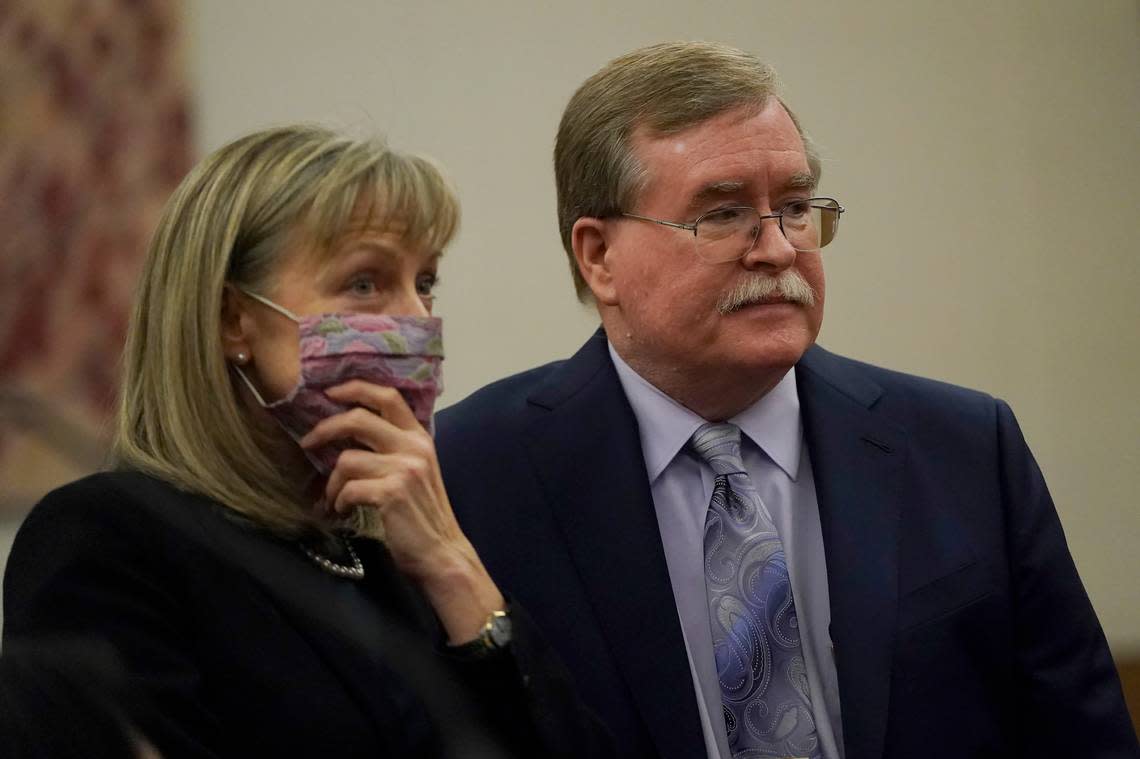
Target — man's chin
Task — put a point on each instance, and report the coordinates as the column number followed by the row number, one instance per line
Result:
column 773, row 350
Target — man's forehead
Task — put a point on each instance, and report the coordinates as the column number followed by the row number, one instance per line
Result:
column 736, row 151
column 772, row 111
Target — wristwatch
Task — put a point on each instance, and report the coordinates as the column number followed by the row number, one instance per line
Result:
column 494, row 636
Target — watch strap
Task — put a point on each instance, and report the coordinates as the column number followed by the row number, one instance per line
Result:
column 495, row 635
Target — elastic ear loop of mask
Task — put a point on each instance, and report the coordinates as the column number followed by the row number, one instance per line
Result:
column 267, row 302
column 279, row 309
column 249, row 384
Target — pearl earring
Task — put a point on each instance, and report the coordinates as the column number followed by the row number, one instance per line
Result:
column 241, row 358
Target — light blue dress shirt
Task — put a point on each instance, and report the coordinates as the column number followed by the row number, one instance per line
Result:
column 776, row 458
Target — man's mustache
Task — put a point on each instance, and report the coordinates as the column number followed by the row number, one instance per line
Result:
column 789, row 286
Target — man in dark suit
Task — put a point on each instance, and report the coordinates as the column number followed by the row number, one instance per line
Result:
column 744, row 545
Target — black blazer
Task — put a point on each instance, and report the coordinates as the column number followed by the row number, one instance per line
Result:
column 245, row 648
column 960, row 626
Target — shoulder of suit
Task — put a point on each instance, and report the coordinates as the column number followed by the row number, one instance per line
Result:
column 122, row 487
column 893, row 386
column 494, row 403
column 130, row 503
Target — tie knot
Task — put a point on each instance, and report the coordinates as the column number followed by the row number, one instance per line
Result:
column 718, row 444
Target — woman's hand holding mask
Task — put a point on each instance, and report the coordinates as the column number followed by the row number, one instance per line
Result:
column 397, row 473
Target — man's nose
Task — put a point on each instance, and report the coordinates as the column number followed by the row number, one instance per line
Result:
column 771, row 251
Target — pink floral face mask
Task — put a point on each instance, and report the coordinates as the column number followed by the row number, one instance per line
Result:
column 404, row 352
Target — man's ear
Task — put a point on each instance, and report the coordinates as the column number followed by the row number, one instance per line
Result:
column 590, row 240
column 235, row 325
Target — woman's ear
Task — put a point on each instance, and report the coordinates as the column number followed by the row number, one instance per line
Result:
column 590, row 241
column 236, row 326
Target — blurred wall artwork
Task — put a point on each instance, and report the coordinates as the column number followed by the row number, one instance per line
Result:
column 94, row 135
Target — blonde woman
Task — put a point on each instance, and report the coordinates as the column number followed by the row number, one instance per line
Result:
column 274, row 555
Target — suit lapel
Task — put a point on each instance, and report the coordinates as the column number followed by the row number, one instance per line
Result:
column 587, row 453
column 857, row 461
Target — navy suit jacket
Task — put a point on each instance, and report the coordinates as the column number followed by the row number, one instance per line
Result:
column 960, row 626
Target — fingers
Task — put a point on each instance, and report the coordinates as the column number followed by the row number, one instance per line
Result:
column 381, row 420
column 379, row 493
column 364, row 478
column 359, row 424
column 385, row 401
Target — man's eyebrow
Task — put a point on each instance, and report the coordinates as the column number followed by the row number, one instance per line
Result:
column 800, row 181
column 714, row 190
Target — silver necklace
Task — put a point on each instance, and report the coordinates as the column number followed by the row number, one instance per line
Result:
column 353, row 572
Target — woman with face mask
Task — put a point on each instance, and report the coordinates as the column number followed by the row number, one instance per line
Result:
column 273, row 554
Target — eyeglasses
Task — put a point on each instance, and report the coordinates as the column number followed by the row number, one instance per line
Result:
column 727, row 234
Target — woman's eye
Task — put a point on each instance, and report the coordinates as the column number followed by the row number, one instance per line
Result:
column 362, row 286
column 426, row 284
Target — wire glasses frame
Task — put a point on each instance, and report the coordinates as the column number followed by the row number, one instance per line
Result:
column 728, row 234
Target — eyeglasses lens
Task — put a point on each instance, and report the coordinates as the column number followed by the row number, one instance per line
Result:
column 729, row 234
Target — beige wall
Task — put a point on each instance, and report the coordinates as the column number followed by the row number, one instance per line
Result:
column 988, row 153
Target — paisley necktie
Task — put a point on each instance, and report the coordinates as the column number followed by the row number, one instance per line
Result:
column 755, row 631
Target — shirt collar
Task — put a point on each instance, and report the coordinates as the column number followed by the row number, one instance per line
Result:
column 665, row 426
